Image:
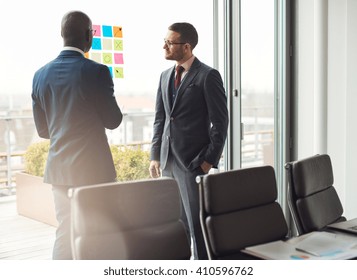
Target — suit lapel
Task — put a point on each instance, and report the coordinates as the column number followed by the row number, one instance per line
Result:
column 166, row 91
column 191, row 74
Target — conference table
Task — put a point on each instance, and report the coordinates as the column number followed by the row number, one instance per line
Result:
column 328, row 244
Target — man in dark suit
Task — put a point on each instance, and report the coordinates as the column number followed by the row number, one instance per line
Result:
column 190, row 126
column 73, row 104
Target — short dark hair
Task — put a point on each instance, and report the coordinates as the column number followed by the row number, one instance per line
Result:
column 187, row 31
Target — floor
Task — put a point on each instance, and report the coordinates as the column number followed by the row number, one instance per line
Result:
column 22, row 238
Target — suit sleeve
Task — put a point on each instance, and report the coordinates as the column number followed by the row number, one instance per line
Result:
column 105, row 102
column 216, row 101
column 39, row 116
column 158, row 128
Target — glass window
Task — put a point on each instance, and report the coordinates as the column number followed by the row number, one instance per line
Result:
column 30, row 41
column 257, row 81
column 35, row 39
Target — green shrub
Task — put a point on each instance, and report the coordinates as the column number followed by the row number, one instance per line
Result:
column 35, row 158
column 130, row 163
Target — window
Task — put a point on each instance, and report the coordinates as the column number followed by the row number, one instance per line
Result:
column 30, row 41
column 144, row 25
column 257, row 76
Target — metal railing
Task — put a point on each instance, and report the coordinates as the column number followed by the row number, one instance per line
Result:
column 20, row 132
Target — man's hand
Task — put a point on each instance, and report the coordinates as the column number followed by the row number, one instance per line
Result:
column 206, row 167
column 154, row 169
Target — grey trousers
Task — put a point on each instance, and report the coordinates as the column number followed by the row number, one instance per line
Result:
column 190, row 199
column 62, row 247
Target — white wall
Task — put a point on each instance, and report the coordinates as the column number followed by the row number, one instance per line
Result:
column 351, row 107
column 339, row 93
column 304, row 79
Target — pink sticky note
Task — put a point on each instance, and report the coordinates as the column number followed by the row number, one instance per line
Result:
column 97, row 29
column 118, row 58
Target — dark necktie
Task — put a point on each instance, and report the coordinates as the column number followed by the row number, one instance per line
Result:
column 179, row 71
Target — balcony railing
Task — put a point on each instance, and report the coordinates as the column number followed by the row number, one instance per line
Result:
column 136, row 130
column 20, row 132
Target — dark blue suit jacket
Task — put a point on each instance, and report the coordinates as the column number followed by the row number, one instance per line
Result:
column 195, row 127
column 73, row 103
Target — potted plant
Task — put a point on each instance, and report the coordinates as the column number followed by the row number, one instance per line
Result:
column 35, row 198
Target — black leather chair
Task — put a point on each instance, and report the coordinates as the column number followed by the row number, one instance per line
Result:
column 312, row 198
column 138, row 220
column 238, row 209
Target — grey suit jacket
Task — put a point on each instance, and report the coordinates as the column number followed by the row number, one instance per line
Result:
column 195, row 127
column 73, row 103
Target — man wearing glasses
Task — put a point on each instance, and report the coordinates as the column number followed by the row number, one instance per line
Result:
column 191, row 122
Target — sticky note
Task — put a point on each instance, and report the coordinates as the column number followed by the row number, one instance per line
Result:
column 111, row 71
column 107, row 58
column 117, row 30
column 118, row 44
column 118, row 72
column 96, row 57
column 96, row 44
column 97, row 30
column 118, row 58
column 107, row 44
column 107, row 31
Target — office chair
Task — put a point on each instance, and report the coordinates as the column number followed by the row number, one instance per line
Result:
column 138, row 220
column 238, row 209
column 312, row 198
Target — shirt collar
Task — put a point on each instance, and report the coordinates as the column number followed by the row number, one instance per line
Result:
column 68, row 48
column 187, row 64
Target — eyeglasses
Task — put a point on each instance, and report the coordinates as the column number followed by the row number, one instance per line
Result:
column 170, row 44
column 93, row 31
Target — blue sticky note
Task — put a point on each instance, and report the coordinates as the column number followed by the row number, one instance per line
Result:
column 107, row 31
column 111, row 71
column 96, row 44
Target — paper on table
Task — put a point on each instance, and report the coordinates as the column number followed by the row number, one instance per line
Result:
column 286, row 250
column 322, row 244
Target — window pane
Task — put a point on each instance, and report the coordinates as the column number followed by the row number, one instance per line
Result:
column 257, row 75
column 34, row 39
column 144, row 26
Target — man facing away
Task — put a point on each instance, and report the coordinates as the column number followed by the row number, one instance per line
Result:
column 191, row 122
column 73, row 104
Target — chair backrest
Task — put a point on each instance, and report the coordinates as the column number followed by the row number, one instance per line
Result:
column 312, row 198
column 138, row 220
column 238, row 209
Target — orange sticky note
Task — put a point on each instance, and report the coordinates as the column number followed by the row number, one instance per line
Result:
column 117, row 32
